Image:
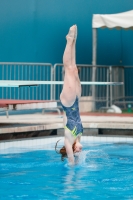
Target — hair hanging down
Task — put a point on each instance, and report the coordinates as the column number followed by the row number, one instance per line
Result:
column 62, row 151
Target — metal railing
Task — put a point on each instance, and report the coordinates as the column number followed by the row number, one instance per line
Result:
column 85, row 74
column 105, row 95
column 26, row 71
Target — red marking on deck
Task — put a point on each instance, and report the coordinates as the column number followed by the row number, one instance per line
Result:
column 6, row 102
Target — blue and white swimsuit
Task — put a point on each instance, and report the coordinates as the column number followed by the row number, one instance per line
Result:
column 74, row 124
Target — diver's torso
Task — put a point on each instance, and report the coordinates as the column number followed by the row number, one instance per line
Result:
column 73, row 122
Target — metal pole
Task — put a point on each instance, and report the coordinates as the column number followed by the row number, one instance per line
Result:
column 52, row 86
column 7, row 114
column 94, row 60
column 107, row 90
column 110, row 69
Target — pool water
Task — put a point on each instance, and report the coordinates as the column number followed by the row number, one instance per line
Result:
column 103, row 171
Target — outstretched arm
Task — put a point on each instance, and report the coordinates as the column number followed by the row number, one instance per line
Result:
column 69, row 151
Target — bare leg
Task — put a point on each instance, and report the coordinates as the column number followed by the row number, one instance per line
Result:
column 74, row 49
column 68, row 94
column 78, row 84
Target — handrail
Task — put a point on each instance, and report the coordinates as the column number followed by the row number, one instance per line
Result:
column 23, row 63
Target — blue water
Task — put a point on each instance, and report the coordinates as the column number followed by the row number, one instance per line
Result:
column 103, row 171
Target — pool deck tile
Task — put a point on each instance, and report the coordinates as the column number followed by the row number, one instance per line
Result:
column 48, row 143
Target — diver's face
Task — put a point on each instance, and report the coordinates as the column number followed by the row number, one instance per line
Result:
column 78, row 147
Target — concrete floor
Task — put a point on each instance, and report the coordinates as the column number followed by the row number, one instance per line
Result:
column 39, row 122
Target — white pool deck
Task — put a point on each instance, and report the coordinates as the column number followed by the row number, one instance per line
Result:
column 38, row 122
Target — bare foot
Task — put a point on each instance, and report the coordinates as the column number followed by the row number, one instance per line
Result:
column 72, row 33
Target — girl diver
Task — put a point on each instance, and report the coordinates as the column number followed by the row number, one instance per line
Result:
column 69, row 97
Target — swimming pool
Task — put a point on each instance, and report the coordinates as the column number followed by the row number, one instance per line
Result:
column 103, row 171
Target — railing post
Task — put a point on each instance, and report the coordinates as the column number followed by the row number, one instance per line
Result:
column 107, row 90
column 55, row 65
column 111, row 98
column 52, row 86
column 94, row 59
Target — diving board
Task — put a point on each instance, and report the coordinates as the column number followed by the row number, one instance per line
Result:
column 16, row 83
